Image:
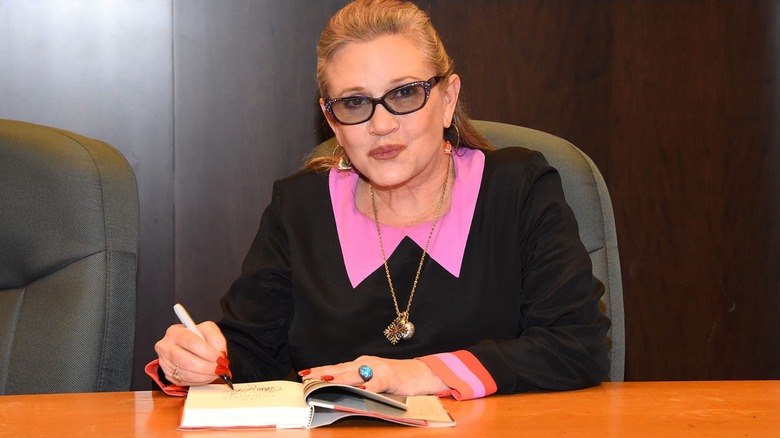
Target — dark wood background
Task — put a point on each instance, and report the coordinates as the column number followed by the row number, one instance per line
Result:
column 677, row 102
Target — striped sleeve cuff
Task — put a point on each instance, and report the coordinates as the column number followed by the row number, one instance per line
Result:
column 463, row 373
column 153, row 370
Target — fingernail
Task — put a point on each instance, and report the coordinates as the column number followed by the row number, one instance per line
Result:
column 304, row 372
column 220, row 370
column 362, row 387
column 223, row 361
column 327, row 378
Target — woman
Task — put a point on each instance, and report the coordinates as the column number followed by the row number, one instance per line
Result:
column 412, row 258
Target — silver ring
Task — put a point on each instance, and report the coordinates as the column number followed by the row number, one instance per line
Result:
column 175, row 375
column 366, row 373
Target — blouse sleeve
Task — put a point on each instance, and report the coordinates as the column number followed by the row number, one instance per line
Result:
column 562, row 341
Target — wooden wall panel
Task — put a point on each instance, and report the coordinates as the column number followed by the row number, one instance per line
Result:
column 677, row 103
column 692, row 99
column 246, row 113
column 541, row 64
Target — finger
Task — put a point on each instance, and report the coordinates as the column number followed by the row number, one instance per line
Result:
column 213, row 335
column 335, row 371
column 356, row 373
column 373, row 385
column 216, row 339
column 200, row 347
column 165, row 348
column 365, row 370
column 193, row 356
column 346, row 373
column 184, row 377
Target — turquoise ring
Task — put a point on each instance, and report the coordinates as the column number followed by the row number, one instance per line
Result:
column 366, row 373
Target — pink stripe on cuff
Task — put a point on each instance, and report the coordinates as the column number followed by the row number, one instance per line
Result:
column 463, row 372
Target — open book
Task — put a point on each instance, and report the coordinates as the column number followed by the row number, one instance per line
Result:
column 314, row 403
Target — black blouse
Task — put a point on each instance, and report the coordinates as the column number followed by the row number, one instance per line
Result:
column 525, row 304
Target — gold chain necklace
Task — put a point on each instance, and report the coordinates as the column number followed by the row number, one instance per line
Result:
column 401, row 327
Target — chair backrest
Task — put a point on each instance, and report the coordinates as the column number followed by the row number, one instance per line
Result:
column 586, row 192
column 69, row 224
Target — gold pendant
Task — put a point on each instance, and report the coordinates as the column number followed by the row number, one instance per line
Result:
column 399, row 329
column 395, row 331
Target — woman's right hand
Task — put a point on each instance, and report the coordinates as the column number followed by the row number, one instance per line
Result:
column 188, row 360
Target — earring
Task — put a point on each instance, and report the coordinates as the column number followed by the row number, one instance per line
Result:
column 342, row 162
column 457, row 134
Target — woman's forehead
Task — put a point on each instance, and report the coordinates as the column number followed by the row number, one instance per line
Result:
column 375, row 65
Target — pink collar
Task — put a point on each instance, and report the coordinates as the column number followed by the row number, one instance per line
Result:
column 357, row 233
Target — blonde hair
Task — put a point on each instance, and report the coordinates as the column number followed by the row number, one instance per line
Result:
column 365, row 20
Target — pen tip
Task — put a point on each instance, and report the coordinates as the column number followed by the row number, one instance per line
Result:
column 227, row 381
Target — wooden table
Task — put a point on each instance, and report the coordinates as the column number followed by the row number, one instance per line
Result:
column 631, row 409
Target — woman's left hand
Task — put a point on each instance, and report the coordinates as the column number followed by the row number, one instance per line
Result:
column 393, row 376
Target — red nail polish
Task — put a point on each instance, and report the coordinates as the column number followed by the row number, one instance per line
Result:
column 327, row 378
column 362, row 386
column 223, row 361
column 303, row 373
column 220, row 370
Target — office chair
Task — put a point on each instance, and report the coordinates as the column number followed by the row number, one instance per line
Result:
column 68, row 259
column 586, row 192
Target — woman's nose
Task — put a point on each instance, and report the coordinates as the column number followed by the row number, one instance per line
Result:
column 383, row 121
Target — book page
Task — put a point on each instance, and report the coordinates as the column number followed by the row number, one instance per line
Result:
column 423, row 411
column 275, row 393
column 320, row 387
column 428, row 408
column 277, row 404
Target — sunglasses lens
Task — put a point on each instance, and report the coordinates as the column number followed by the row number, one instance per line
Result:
column 405, row 99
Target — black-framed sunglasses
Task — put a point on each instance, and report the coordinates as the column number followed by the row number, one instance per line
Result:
column 353, row 110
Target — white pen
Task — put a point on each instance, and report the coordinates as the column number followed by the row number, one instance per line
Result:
column 186, row 319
